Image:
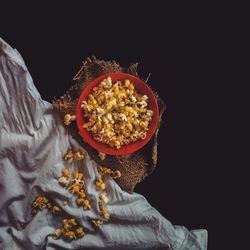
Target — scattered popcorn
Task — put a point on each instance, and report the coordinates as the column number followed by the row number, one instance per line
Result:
column 64, row 181
column 105, row 213
column 56, row 209
column 66, row 172
column 79, row 155
column 104, row 170
column 103, row 198
column 74, row 189
column 85, row 203
column 117, row 114
column 81, row 194
column 69, row 156
column 79, row 232
column 57, row 234
column 97, row 223
column 70, row 235
column 49, row 206
column 70, row 230
column 78, row 179
column 100, row 184
column 68, row 119
column 102, row 156
column 113, row 174
column 39, row 203
column 116, row 174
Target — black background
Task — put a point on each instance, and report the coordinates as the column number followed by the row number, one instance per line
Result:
column 183, row 49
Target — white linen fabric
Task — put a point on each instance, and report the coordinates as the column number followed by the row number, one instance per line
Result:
column 32, row 142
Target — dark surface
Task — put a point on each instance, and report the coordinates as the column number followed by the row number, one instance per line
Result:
column 179, row 51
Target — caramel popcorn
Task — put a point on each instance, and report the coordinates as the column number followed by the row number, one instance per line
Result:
column 117, row 114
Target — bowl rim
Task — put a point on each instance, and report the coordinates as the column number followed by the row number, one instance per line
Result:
column 102, row 147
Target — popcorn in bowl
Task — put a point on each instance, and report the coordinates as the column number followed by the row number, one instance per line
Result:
column 116, row 113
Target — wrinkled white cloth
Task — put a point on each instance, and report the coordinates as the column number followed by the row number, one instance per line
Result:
column 32, row 142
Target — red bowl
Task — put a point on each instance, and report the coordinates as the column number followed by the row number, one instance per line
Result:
column 142, row 88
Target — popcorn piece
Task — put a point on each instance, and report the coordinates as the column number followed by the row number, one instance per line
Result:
column 69, row 156
column 97, row 223
column 81, row 194
column 102, row 156
column 79, row 232
column 100, row 184
column 79, row 155
column 49, row 206
column 64, row 181
column 113, row 174
column 68, row 119
column 105, row 213
column 66, row 172
column 57, row 234
column 70, row 235
column 116, row 174
column 56, row 209
column 65, row 203
column 86, row 204
column 104, row 170
column 69, row 223
column 78, row 179
column 74, row 189
column 39, row 203
column 103, row 198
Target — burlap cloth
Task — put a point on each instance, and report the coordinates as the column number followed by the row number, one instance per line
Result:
column 134, row 167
